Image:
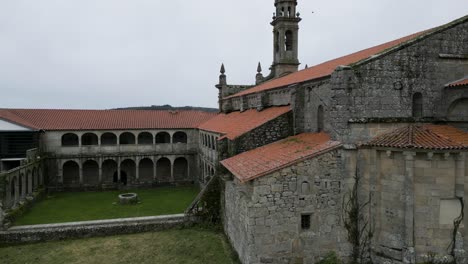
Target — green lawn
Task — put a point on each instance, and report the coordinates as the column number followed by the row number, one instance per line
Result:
column 172, row 246
column 83, row 206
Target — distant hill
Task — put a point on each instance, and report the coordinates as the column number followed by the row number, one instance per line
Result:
column 169, row 107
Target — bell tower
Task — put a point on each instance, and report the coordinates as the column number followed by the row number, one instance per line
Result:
column 285, row 38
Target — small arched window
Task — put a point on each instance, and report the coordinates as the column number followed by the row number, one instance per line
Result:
column 320, row 119
column 145, row 138
column 305, row 188
column 108, row 139
column 179, row 137
column 417, row 105
column 288, row 42
column 163, row 138
column 127, row 138
column 89, row 139
column 70, row 139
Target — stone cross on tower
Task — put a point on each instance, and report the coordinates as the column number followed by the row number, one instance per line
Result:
column 285, row 38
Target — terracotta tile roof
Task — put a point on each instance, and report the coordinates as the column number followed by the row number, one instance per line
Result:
column 235, row 124
column 281, row 154
column 326, row 68
column 46, row 119
column 457, row 83
column 423, row 137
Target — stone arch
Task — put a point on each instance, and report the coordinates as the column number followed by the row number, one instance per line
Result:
column 458, row 110
column 163, row 138
column 91, row 172
column 70, row 139
column 127, row 138
column 108, row 139
column 89, row 139
column 163, row 170
column 417, row 105
column 320, row 119
column 109, row 171
column 128, row 171
column 145, row 138
column 179, row 137
column 181, row 169
column 146, row 170
column 71, row 173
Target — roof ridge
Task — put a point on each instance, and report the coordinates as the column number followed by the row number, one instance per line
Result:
column 393, row 45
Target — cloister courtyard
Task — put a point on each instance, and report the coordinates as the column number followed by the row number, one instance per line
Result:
column 63, row 207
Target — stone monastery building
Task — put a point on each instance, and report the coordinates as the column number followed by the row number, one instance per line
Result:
column 383, row 129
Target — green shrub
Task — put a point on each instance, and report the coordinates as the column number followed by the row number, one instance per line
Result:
column 330, row 258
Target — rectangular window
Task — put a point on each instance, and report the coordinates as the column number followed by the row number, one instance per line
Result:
column 305, row 222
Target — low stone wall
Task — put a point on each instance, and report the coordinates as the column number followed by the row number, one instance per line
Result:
column 51, row 232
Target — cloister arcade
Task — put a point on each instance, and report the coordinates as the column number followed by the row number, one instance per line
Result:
column 127, row 171
column 209, row 155
column 21, row 183
column 124, row 138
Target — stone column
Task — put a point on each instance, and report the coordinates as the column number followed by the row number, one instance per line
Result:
column 100, row 170
column 137, row 168
column 17, row 194
column 155, row 177
column 30, row 183
column 409, row 256
column 23, row 187
column 172, row 171
column 60, row 174
column 81, row 171
column 118, row 169
column 461, row 169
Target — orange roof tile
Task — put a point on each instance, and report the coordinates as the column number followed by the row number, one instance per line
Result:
column 46, row 119
column 461, row 82
column 281, row 154
column 235, row 124
column 326, row 68
column 423, row 137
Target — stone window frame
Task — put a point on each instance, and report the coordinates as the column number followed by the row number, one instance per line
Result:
column 306, row 221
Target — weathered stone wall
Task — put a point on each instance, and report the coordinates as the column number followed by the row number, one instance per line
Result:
column 51, row 232
column 269, row 230
column 383, row 87
column 274, row 130
column 415, row 198
column 310, row 97
column 237, row 201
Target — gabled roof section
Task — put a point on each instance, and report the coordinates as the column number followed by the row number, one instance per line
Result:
column 57, row 119
column 458, row 83
column 235, row 124
column 327, row 68
column 261, row 161
column 430, row 137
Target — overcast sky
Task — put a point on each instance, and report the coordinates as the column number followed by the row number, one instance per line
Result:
column 100, row 54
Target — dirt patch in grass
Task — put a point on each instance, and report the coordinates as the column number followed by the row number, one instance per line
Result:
column 193, row 246
column 84, row 206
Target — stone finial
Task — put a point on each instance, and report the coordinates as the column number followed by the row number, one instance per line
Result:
column 222, row 71
column 222, row 76
column 259, row 77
